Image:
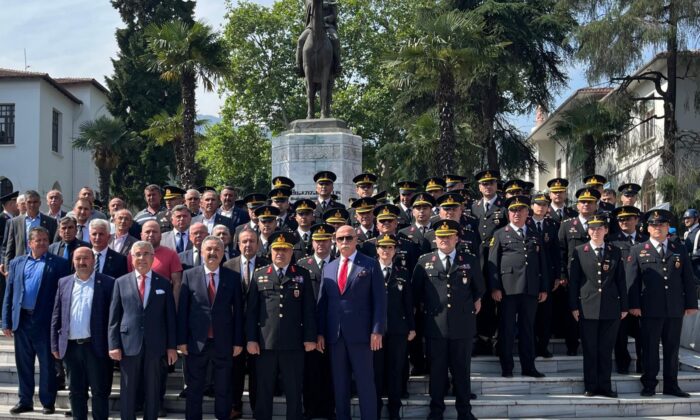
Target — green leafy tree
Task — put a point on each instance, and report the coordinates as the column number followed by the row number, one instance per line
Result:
column 107, row 140
column 615, row 36
column 186, row 53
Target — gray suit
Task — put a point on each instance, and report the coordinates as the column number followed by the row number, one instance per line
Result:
column 128, row 242
column 169, row 240
column 15, row 241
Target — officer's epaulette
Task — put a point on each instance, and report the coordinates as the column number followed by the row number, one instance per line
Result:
column 310, row 260
column 430, row 256
column 586, row 248
column 507, row 228
column 575, row 219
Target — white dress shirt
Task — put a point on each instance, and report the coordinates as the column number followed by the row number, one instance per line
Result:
column 147, row 288
column 207, row 273
column 452, row 256
column 103, row 258
column 81, row 307
column 350, row 263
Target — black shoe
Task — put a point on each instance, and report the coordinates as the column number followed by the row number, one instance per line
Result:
column 472, row 396
column 545, row 354
column 61, row 386
column 609, row 394
column 162, row 412
column 677, row 393
column 534, row 373
column 209, row 392
column 48, row 410
column 19, row 409
column 507, row 374
column 182, row 394
column 646, row 392
column 68, row 414
column 589, row 394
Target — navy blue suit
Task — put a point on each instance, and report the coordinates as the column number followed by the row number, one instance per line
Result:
column 195, row 316
column 89, row 363
column 143, row 334
column 346, row 321
column 32, row 329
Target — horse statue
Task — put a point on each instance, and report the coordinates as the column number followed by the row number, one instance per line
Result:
column 317, row 63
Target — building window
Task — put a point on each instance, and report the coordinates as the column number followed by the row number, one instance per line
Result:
column 648, row 192
column 7, row 123
column 56, row 132
column 647, row 129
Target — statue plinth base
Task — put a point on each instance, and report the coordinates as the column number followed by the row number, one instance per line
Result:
column 310, row 146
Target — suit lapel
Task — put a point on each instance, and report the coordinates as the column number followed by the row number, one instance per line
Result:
column 21, row 234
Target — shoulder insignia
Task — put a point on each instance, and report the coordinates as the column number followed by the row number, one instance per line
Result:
column 586, row 248
column 269, row 270
column 493, row 241
column 293, row 269
column 646, row 246
column 629, row 258
column 310, row 260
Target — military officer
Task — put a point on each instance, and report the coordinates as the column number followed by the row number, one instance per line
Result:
column 267, row 225
column 318, row 384
column 691, row 238
column 518, row 275
column 282, row 182
column 627, row 218
column 280, row 326
column 572, row 233
column 390, row 360
column 381, row 197
column 450, row 207
column 662, row 291
column 324, row 189
column 173, row 196
column 454, row 182
column 421, row 206
column 252, row 201
column 557, row 194
column 448, row 286
column 364, row 184
column 548, row 230
column 598, row 182
column 492, row 215
column 598, row 301
column 407, row 252
column 304, row 216
column 363, row 209
column 436, row 187
column 279, row 197
column 407, row 190
column 336, row 217
column 514, row 187
column 629, row 193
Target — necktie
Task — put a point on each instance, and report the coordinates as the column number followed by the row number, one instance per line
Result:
column 539, row 227
column 422, row 230
column 280, row 274
column 661, row 249
column 180, row 242
column 246, row 273
column 559, row 213
column 66, row 252
column 98, row 269
column 279, row 222
column 685, row 235
column 323, row 206
column 212, row 295
column 369, row 234
column 323, row 264
column 487, row 206
column 305, row 237
column 196, row 257
column 387, row 272
column 599, row 253
column 448, row 264
column 80, row 232
column 631, row 238
column 142, row 286
column 343, row 275
column 520, row 232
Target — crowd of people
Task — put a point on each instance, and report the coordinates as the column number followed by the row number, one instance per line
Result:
column 318, row 301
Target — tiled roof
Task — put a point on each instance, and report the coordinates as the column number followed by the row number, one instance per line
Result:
column 81, row 81
column 19, row 74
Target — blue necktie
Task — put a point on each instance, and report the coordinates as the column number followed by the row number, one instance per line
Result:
column 66, row 252
column 180, row 243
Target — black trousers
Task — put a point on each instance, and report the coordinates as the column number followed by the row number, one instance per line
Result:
column 32, row 342
column 416, row 347
column 668, row 331
column 487, row 318
column 139, row 372
column 524, row 307
column 629, row 327
column 244, row 364
column 88, row 371
column 291, row 364
column 454, row 355
column 543, row 326
column 196, row 374
column 597, row 340
column 318, row 385
column 389, row 365
column 563, row 323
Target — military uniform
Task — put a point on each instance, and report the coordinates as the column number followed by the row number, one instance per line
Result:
column 302, row 247
column 414, row 234
column 280, row 318
column 518, row 268
column 597, row 289
column 447, row 299
column 560, row 215
column 662, row 286
column 469, row 241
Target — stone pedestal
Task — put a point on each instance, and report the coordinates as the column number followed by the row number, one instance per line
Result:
column 310, row 146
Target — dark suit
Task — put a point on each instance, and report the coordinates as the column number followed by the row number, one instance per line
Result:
column 548, row 230
column 218, row 220
column 693, row 250
column 88, row 362
column 126, row 247
column 114, row 264
column 280, row 317
column 597, row 289
column 244, row 363
column 4, row 225
column 195, row 316
column 32, row 328
column 320, row 209
column 663, row 287
column 347, row 321
column 302, row 248
column 566, row 213
column 58, row 249
column 15, row 241
column 187, row 259
column 143, row 335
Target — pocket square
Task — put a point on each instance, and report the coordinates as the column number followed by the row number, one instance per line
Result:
column 160, row 291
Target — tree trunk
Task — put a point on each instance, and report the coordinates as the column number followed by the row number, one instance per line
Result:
column 186, row 166
column 104, row 176
column 589, row 161
column 668, row 151
column 489, row 109
column 445, row 102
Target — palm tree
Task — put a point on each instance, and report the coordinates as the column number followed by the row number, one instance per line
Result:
column 106, row 138
column 186, row 53
column 448, row 49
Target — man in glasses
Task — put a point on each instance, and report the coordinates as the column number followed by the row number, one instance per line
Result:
column 352, row 313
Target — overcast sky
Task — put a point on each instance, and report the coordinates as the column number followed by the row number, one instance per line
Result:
column 75, row 38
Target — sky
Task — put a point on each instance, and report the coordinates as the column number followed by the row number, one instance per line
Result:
column 75, row 38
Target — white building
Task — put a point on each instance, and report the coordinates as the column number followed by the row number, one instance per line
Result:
column 637, row 158
column 39, row 118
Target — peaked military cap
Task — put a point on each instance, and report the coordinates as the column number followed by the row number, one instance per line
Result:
column 282, row 239
column 254, row 200
column 597, row 220
column 422, row 199
column 325, row 176
column 9, row 196
column 304, row 204
column 626, row 211
column 364, row 205
column 587, row 194
column 541, row 198
column 594, row 180
column 407, row 187
column 452, row 180
column 322, row 232
column 445, row 227
column 172, row 191
column 517, row 201
column 487, row 175
column 365, row 179
column 279, row 194
column 380, row 197
column 386, row 239
column 267, row 212
column 654, row 217
column 629, row 189
column 434, row 184
column 557, row 184
column 450, row 199
column 337, row 215
column 387, row 212
column 282, row 182
column 514, row 185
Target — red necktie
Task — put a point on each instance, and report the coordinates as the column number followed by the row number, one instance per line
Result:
column 343, row 275
column 212, row 294
column 142, row 286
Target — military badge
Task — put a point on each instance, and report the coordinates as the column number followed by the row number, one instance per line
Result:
column 465, row 280
column 400, row 286
column 297, row 292
column 493, row 241
column 434, row 258
column 606, row 266
column 546, row 237
column 678, row 263
column 629, row 258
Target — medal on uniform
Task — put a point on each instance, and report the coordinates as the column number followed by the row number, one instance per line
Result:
column 296, row 293
column 678, row 263
column 546, row 237
column 465, row 280
column 400, row 286
column 606, row 266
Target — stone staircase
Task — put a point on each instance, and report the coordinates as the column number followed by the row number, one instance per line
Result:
column 558, row 395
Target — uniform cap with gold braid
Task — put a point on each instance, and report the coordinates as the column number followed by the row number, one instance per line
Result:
column 487, row 175
column 338, row 215
column 541, row 198
column 279, row 194
column 364, row 205
column 365, row 179
column 282, row 182
column 655, row 217
column 267, row 212
column 587, row 194
column 626, row 211
column 445, row 227
column 630, row 189
column 434, row 184
column 282, row 239
column 387, row 212
column 325, row 176
column 452, row 180
column 322, row 232
column 386, row 240
column 407, row 187
column 381, row 197
column 597, row 220
column 171, row 191
column 304, row 205
column 450, row 199
column 557, row 184
column 517, row 201
column 514, row 185
column 422, row 199
column 594, row 180
column 254, row 200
